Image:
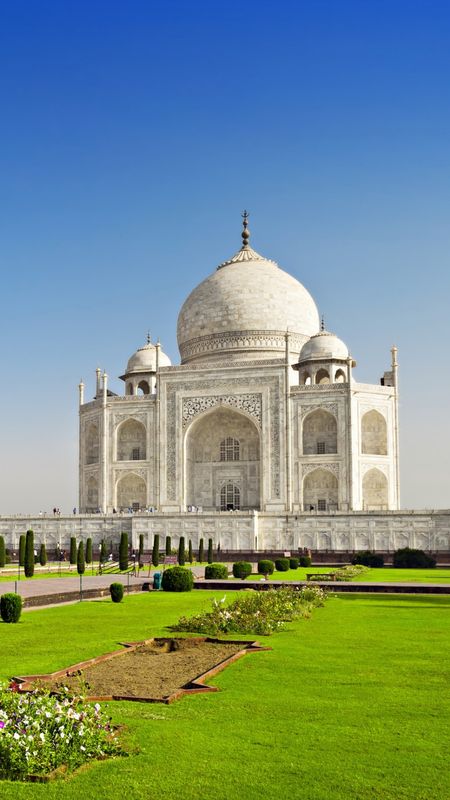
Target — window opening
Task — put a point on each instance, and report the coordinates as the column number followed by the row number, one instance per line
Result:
column 229, row 449
column 230, row 498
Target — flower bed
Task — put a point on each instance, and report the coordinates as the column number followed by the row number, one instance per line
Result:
column 255, row 612
column 40, row 733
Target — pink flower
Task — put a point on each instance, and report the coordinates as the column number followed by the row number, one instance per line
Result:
column 2, row 724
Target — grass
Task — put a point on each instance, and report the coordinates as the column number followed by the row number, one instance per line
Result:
column 383, row 575
column 351, row 704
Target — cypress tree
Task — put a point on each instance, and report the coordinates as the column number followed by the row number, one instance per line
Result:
column 168, row 546
column 210, row 551
column 103, row 552
column 73, row 550
column 22, row 549
column 141, row 550
column 89, row 551
column 2, row 552
column 190, row 557
column 123, row 551
column 201, row 551
column 181, row 552
column 155, row 552
column 29, row 555
column 81, row 564
column 42, row 555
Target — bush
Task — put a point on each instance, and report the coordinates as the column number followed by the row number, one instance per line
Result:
column 22, row 549
column 216, row 571
column 305, row 561
column 294, row 563
column 42, row 555
column 409, row 558
column 210, row 551
column 81, row 564
column 123, row 551
column 201, row 551
column 73, row 550
column 116, row 592
column 168, row 545
column 190, row 556
column 89, row 550
column 29, row 555
column 10, row 607
column 177, row 579
column 368, row 559
column 103, row 556
column 2, row 552
column 141, row 550
column 281, row 564
column 266, row 567
column 242, row 569
column 181, row 552
column 155, row 551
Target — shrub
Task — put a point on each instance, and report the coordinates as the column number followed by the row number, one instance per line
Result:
column 22, row 549
column 294, row 563
column 242, row 569
column 116, row 592
column 141, row 550
column 216, row 571
column 181, row 552
column 123, row 551
column 368, row 559
column 89, row 550
column 210, row 551
column 168, row 545
column 190, row 557
column 81, row 564
column 305, row 561
column 10, row 607
column 201, row 551
column 177, row 579
column 2, row 552
column 155, row 551
column 42, row 555
column 103, row 556
column 73, row 550
column 29, row 555
column 266, row 567
column 281, row 564
column 410, row 558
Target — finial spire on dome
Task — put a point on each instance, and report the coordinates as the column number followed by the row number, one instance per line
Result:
column 322, row 323
column 149, row 338
column 245, row 232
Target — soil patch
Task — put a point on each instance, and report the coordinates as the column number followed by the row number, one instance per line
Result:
column 158, row 670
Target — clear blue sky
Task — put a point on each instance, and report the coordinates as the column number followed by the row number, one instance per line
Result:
column 133, row 134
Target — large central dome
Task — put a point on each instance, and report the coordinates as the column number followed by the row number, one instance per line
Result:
column 243, row 310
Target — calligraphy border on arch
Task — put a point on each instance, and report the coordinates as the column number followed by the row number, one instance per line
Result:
column 250, row 403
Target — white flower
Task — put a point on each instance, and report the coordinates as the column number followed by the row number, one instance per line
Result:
column 16, row 736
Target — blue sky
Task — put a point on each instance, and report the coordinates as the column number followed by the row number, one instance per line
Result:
column 133, row 134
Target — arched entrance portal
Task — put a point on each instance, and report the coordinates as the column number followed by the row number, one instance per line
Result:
column 222, row 462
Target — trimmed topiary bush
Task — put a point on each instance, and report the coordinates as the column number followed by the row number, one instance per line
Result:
column 190, row 556
column 141, row 550
column 123, row 551
column 73, row 550
column 168, row 545
column 216, row 571
column 177, row 579
column 42, row 555
column 294, row 563
column 201, row 551
column 368, row 559
column 282, row 564
column 266, row 566
column 116, row 592
column 210, row 551
column 2, row 552
column 81, row 563
column 29, row 555
column 155, row 551
column 103, row 555
column 89, row 550
column 242, row 569
column 22, row 549
column 410, row 558
column 305, row 561
column 181, row 552
column 10, row 607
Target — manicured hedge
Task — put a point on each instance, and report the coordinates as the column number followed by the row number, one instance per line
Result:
column 305, row 561
column 294, row 563
column 242, row 569
column 177, row 579
column 10, row 607
column 266, row 567
column 282, row 564
column 368, row 559
column 116, row 592
column 409, row 558
column 216, row 571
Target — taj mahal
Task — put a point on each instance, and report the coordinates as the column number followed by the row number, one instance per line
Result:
column 260, row 438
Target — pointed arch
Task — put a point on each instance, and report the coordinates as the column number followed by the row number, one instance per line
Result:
column 91, row 494
column 375, row 490
column 320, row 490
column 92, row 444
column 131, row 441
column 131, row 492
column 373, row 434
column 319, row 432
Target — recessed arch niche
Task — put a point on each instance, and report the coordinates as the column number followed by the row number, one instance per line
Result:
column 373, row 434
column 206, row 471
column 131, row 492
column 320, row 490
column 131, row 441
column 319, row 433
column 375, row 490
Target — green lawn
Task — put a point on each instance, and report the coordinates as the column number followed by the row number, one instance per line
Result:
column 383, row 575
column 351, row 704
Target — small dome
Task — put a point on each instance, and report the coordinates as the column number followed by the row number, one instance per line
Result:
column 144, row 359
column 324, row 346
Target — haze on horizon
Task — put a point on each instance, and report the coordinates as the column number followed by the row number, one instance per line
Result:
column 132, row 138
